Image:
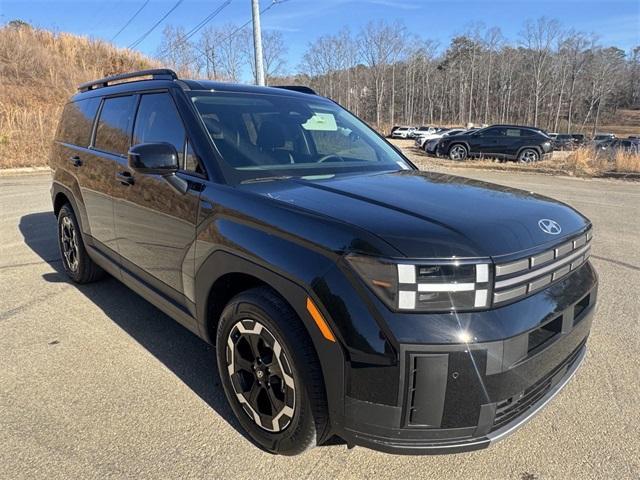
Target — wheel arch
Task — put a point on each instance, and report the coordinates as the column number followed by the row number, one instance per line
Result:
column 223, row 275
column 464, row 143
column 61, row 195
column 537, row 148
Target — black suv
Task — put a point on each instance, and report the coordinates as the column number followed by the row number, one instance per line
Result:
column 348, row 295
column 507, row 142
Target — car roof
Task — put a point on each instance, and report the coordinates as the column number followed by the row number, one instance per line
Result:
column 194, row 85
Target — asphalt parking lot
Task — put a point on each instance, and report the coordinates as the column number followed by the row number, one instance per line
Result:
column 97, row 383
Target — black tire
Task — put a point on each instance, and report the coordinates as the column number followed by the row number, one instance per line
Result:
column 458, row 152
column 528, row 155
column 278, row 323
column 75, row 260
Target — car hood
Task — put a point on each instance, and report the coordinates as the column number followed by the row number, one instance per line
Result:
column 430, row 215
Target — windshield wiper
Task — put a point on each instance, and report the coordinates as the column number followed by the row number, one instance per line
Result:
column 267, row 179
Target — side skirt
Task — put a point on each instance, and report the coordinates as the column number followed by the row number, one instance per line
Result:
column 166, row 305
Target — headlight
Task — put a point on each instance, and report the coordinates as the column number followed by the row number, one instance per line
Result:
column 426, row 285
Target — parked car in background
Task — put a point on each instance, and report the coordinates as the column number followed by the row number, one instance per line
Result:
column 601, row 137
column 436, row 133
column 431, row 146
column 579, row 139
column 403, row 132
column 439, row 135
column 422, row 131
column 615, row 145
column 393, row 129
column 505, row 142
column 564, row 141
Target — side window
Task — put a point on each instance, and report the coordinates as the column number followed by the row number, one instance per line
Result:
column 159, row 121
column 114, row 125
column 77, row 121
column 513, row 132
column 492, row 132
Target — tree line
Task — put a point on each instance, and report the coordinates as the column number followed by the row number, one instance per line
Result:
column 554, row 78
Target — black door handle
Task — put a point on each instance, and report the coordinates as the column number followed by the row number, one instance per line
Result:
column 75, row 161
column 126, row 178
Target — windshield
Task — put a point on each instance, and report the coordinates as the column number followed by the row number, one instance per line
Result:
column 262, row 135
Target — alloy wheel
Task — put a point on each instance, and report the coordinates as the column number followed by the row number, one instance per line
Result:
column 261, row 375
column 69, row 242
column 458, row 152
column 529, row 156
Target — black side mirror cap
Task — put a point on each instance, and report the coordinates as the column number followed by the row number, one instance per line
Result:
column 159, row 158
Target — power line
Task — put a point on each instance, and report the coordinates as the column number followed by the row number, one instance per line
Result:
column 264, row 10
column 198, row 27
column 129, row 21
column 155, row 25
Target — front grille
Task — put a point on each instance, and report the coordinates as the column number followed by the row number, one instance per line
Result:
column 515, row 406
column 520, row 278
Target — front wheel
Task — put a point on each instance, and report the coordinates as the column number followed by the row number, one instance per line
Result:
column 270, row 372
column 528, row 155
column 458, row 152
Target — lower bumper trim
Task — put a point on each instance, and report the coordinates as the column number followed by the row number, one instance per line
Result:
column 417, row 447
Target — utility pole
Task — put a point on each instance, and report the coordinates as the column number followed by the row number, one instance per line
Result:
column 257, row 42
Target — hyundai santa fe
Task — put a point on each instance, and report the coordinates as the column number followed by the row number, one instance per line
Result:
column 349, row 296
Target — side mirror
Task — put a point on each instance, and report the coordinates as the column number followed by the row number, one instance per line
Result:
column 154, row 158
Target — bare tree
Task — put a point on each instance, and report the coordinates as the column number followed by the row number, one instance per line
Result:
column 379, row 45
column 274, row 51
column 539, row 37
column 175, row 51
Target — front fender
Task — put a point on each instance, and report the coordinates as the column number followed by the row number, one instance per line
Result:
column 330, row 354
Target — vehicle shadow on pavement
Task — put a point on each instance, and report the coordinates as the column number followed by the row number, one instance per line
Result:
column 190, row 358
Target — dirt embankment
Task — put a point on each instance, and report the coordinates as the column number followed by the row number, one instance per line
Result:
column 39, row 71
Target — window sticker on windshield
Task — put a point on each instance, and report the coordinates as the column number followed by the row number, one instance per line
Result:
column 325, row 122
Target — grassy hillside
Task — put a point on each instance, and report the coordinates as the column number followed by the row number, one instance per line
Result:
column 39, row 71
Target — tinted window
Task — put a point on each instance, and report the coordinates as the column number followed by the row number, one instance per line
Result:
column 114, row 126
column 531, row 133
column 159, row 121
column 77, row 121
column 491, row 132
column 513, row 132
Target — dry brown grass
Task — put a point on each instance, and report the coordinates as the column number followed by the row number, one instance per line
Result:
column 39, row 71
column 627, row 162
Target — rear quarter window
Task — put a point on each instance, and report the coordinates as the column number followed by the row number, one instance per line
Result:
column 113, row 133
column 77, row 122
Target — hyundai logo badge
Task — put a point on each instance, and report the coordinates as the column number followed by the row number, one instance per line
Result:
column 549, row 226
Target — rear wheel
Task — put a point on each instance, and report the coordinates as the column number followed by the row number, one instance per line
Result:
column 528, row 155
column 458, row 152
column 270, row 372
column 75, row 260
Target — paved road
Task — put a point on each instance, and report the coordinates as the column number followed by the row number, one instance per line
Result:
column 97, row 383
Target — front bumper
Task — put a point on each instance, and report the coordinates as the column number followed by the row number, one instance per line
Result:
column 462, row 397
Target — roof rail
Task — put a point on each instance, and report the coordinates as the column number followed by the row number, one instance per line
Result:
column 155, row 74
column 298, row 88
